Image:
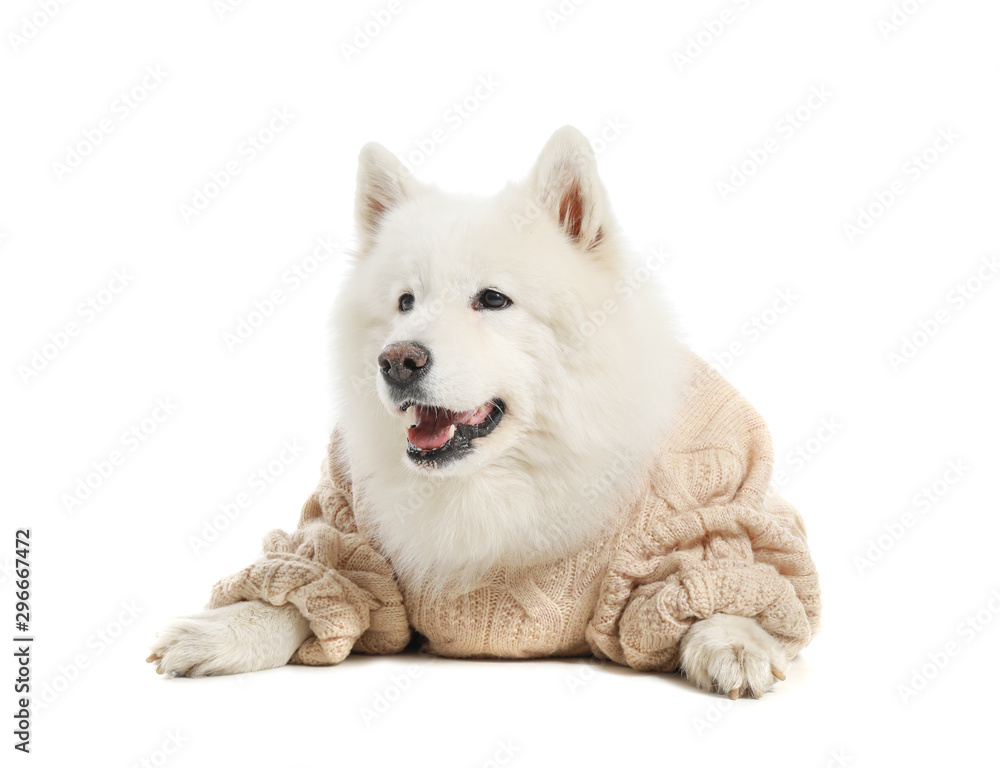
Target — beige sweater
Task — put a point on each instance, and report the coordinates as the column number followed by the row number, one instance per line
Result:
column 707, row 536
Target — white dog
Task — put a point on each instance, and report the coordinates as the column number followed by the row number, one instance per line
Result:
column 515, row 429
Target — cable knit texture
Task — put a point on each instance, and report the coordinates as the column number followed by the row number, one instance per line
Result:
column 705, row 536
column 331, row 573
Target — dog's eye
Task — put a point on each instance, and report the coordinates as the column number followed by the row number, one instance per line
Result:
column 406, row 302
column 490, row 299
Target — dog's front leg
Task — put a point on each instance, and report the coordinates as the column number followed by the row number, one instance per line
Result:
column 243, row 637
column 733, row 655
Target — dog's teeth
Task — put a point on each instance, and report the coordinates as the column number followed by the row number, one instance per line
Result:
column 451, row 431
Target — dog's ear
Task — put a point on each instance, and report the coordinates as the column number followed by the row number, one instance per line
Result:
column 565, row 184
column 382, row 185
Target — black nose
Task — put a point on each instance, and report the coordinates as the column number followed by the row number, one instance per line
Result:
column 404, row 363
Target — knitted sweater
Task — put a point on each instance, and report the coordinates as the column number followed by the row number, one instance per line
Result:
column 706, row 535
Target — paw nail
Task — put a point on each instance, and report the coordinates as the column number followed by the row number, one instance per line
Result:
column 735, row 693
column 777, row 673
column 151, row 658
column 159, row 669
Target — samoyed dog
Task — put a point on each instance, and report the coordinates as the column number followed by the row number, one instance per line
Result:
column 504, row 391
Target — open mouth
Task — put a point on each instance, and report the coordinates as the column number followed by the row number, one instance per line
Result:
column 438, row 435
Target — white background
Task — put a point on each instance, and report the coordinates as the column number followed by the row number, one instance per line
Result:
column 893, row 428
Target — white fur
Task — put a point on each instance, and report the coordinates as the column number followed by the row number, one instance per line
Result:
column 586, row 365
column 243, row 637
column 731, row 653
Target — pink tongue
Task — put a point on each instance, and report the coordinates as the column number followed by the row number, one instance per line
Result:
column 430, row 432
column 433, row 425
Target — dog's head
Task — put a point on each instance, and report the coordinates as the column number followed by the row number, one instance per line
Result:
column 480, row 321
column 490, row 342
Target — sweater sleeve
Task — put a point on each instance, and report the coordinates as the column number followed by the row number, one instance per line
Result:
column 708, row 537
column 331, row 573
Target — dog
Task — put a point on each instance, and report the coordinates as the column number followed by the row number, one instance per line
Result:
column 514, row 406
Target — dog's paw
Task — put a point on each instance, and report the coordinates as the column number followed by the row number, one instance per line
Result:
column 733, row 655
column 244, row 637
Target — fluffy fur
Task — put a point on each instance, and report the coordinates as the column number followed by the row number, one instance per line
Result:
column 587, row 375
